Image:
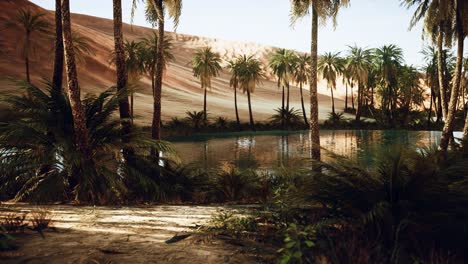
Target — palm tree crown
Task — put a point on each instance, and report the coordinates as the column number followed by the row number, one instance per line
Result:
column 206, row 65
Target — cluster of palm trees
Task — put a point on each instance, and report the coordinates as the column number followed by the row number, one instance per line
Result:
column 377, row 73
column 445, row 22
column 246, row 73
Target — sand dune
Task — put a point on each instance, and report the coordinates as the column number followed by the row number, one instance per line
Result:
column 181, row 91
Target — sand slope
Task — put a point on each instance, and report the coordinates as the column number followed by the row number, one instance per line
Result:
column 181, row 91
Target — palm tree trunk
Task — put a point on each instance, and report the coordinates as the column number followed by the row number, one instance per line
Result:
column 122, row 78
column 437, row 97
column 73, row 90
column 26, row 57
column 204, row 105
column 346, row 98
column 156, row 124
column 314, row 120
column 282, row 109
column 333, row 101
column 287, row 98
column 235, row 106
column 429, row 115
column 447, row 131
column 440, row 69
column 252, row 123
column 303, row 107
column 352, row 97
column 131, row 106
column 57, row 78
column 359, row 102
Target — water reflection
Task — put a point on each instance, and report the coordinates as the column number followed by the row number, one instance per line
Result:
column 290, row 149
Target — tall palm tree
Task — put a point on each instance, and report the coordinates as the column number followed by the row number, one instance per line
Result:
column 359, row 63
column 318, row 9
column 31, row 23
column 251, row 73
column 301, row 76
column 57, row 77
column 124, row 106
column 331, row 65
column 155, row 13
column 388, row 59
column 206, row 65
column 73, row 90
column 282, row 62
column 234, row 68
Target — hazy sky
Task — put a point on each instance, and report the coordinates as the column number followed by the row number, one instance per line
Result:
column 367, row 23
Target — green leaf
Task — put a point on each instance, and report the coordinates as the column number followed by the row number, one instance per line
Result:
column 291, row 244
column 309, row 243
column 297, row 254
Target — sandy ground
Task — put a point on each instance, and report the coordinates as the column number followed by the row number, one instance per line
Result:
column 122, row 235
column 181, row 91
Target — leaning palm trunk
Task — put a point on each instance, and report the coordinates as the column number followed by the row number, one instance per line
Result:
column 303, row 107
column 440, row 69
column 122, row 78
column 58, row 61
column 447, row 132
column 252, row 123
column 314, row 121
column 73, row 91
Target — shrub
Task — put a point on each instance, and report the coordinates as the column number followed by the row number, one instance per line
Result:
column 14, row 223
column 291, row 118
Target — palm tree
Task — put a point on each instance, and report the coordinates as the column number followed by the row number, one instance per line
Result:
column 31, row 23
column 150, row 50
column 206, row 65
column 73, row 90
column 359, row 62
column 388, row 59
column 234, row 68
column 282, row 62
column 331, row 65
column 134, row 65
column 346, row 81
column 124, row 106
column 323, row 9
column 57, row 77
column 81, row 46
column 301, row 76
column 251, row 73
column 155, row 14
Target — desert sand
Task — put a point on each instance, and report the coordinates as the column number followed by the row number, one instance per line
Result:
column 134, row 234
column 181, row 91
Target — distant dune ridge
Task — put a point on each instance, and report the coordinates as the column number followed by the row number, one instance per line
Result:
column 181, row 91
